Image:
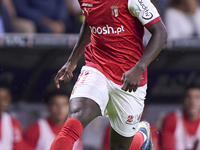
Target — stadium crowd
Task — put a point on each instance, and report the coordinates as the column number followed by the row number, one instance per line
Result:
column 35, row 16
column 179, row 130
column 64, row 16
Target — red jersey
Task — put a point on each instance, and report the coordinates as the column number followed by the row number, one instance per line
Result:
column 10, row 133
column 40, row 135
column 117, row 29
column 169, row 127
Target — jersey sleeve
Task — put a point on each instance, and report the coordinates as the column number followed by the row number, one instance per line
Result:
column 168, row 130
column 18, row 141
column 31, row 135
column 145, row 11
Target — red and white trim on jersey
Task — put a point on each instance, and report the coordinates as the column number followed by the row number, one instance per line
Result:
column 6, row 141
column 46, row 135
column 145, row 11
column 40, row 135
column 183, row 139
column 152, row 22
column 10, row 133
column 176, row 122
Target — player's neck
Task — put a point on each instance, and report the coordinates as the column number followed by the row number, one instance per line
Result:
column 192, row 117
column 57, row 122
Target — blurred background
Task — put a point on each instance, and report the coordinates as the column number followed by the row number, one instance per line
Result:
column 37, row 37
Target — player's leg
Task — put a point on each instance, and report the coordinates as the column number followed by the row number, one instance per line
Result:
column 119, row 142
column 142, row 139
column 124, row 111
column 88, row 100
column 84, row 109
column 82, row 112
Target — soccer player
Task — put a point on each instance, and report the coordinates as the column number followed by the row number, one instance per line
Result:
column 114, row 78
column 181, row 129
column 41, row 134
column 10, row 128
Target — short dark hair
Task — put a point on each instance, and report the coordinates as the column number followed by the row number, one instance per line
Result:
column 174, row 3
column 4, row 85
column 191, row 86
column 55, row 92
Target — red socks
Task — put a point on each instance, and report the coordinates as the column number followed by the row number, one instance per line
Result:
column 72, row 130
column 69, row 133
column 137, row 142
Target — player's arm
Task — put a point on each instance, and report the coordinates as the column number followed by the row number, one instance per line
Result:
column 151, row 20
column 65, row 73
column 155, row 45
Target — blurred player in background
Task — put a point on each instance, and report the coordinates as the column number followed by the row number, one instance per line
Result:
column 41, row 134
column 188, row 14
column 114, row 79
column 10, row 128
column 181, row 129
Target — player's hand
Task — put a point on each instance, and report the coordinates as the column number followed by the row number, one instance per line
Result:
column 131, row 79
column 65, row 73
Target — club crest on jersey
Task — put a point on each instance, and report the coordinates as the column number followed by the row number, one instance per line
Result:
column 115, row 12
column 86, row 10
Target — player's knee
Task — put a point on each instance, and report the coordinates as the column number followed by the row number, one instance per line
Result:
column 80, row 114
column 75, row 112
column 85, row 110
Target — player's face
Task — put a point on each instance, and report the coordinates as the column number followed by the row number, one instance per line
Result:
column 59, row 108
column 5, row 99
column 192, row 102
